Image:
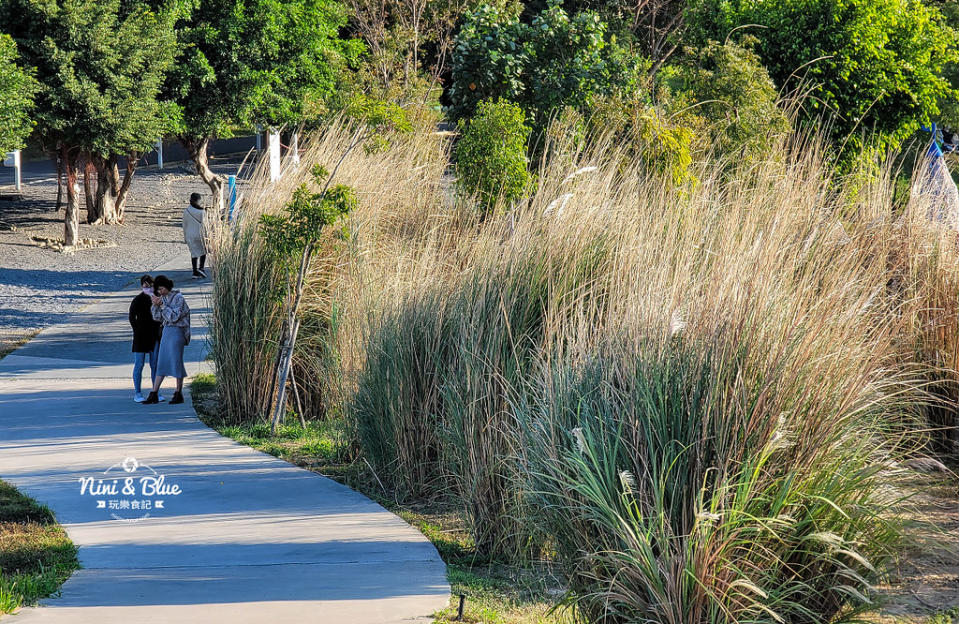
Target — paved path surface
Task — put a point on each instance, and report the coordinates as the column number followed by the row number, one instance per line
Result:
column 250, row 539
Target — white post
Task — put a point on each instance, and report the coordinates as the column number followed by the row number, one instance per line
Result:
column 12, row 159
column 295, row 147
column 274, row 149
column 159, row 153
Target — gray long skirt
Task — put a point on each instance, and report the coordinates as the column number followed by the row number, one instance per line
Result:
column 170, row 362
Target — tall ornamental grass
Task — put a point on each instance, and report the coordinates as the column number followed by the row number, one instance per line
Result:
column 432, row 404
column 693, row 395
column 245, row 320
column 396, row 184
column 925, row 277
column 712, row 446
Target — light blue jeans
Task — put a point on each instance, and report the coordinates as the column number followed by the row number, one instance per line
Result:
column 138, row 360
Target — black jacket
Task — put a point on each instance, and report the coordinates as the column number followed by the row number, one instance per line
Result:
column 146, row 331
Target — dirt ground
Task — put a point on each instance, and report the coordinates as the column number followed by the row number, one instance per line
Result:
column 926, row 583
column 40, row 286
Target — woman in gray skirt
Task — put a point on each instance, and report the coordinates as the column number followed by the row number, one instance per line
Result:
column 170, row 308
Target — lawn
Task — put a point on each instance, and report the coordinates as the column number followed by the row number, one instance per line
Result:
column 494, row 594
column 36, row 556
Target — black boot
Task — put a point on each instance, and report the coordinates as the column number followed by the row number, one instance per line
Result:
column 153, row 398
column 177, row 398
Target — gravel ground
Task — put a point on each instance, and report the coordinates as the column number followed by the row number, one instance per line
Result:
column 41, row 286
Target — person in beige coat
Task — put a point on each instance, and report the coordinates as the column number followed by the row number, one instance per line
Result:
column 193, row 234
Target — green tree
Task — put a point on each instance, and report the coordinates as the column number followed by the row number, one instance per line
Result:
column 17, row 89
column 409, row 43
column 553, row 62
column 244, row 62
column 874, row 66
column 949, row 104
column 654, row 27
column 99, row 64
column 491, row 158
column 137, row 115
column 736, row 96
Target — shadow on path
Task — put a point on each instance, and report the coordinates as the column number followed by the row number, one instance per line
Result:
column 248, row 538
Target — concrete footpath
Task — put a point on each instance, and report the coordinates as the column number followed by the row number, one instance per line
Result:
column 176, row 523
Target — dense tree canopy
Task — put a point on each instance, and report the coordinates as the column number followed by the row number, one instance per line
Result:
column 258, row 61
column 255, row 62
column 949, row 104
column 734, row 93
column 554, row 61
column 17, row 88
column 113, row 76
column 100, row 65
column 875, row 65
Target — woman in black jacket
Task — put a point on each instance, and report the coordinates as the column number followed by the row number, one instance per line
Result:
column 146, row 335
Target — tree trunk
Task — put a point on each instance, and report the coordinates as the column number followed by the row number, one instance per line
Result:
column 292, row 327
column 132, row 161
column 299, row 403
column 197, row 149
column 111, row 191
column 59, row 182
column 91, row 189
column 71, row 220
column 287, row 344
column 292, row 324
column 106, row 192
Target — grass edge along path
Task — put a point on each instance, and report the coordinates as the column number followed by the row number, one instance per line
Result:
column 12, row 342
column 36, row 556
column 495, row 594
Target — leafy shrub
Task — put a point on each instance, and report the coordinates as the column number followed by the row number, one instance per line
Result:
column 738, row 98
column 557, row 60
column 491, row 156
column 646, row 134
column 875, row 65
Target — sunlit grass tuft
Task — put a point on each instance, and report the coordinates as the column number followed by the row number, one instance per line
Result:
column 36, row 556
column 691, row 397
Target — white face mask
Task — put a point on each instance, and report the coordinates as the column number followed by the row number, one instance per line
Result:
column 148, row 291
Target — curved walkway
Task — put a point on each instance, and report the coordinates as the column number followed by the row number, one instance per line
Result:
column 249, row 538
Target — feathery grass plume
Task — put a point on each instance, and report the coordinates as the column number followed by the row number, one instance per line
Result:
column 770, row 413
column 394, row 185
column 924, row 270
column 693, row 391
